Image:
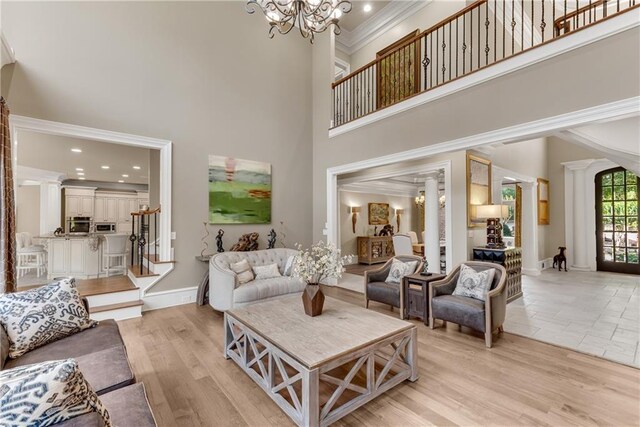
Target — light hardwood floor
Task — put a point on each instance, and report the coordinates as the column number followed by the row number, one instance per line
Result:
column 177, row 353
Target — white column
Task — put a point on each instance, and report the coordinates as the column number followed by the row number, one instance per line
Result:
column 529, row 232
column 50, row 206
column 579, row 221
column 432, row 222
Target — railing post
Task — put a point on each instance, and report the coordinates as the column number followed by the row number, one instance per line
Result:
column 132, row 239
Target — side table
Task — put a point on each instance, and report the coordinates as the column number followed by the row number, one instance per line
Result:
column 414, row 293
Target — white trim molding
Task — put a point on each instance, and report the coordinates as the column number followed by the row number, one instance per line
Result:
column 390, row 16
column 605, row 29
column 163, row 299
column 19, row 124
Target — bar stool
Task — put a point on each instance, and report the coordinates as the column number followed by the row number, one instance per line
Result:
column 115, row 249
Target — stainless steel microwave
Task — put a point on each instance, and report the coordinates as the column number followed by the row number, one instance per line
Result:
column 78, row 224
column 105, row 227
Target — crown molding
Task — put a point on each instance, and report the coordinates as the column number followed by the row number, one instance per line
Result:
column 386, row 189
column 390, row 16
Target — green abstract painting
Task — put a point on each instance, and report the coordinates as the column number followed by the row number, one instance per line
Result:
column 239, row 191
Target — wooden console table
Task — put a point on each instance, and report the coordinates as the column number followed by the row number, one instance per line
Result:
column 511, row 260
column 374, row 249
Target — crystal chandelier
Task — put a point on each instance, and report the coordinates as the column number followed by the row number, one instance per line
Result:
column 310, row 16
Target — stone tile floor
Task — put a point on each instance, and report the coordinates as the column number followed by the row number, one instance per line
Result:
column 592, row 312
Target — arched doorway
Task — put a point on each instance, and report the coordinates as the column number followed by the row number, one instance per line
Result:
column 617, row 221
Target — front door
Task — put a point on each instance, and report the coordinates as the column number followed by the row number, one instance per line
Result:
column 617, row 221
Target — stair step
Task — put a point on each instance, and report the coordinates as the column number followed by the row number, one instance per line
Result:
column 110, row 307
column 154, row 258
column 105, row 285
column 141, row 272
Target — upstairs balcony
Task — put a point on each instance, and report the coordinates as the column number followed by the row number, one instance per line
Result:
column 481, row 35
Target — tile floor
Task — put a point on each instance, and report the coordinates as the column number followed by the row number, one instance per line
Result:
column 593, row 312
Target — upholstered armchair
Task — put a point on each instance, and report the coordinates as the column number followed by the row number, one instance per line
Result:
column 376, row 289
column 484, row 316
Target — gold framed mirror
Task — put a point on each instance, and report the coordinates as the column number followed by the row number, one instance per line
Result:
column 478, row 188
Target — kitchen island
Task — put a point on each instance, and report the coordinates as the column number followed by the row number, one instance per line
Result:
column 79, row 256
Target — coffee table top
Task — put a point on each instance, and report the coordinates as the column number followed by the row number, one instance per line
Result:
column 342, row 328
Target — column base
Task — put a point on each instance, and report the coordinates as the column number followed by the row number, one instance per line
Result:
column 531, row 271
column 579, row 268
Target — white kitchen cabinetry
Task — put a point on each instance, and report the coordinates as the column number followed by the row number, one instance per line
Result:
column 72, row 256
column 79, row 201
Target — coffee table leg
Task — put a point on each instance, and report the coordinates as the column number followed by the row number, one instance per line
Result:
column 228, row 336
column 412, row 354
column 311, row 398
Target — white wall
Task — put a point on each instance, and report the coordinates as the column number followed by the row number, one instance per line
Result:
column 408, row 221
column 204, row 75
column 28, row 209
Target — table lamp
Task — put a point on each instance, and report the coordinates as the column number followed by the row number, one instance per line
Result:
column 493, row 214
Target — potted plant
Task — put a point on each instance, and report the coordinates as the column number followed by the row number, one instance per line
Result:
column 321, row 262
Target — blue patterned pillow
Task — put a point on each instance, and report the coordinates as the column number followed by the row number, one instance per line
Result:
column 46, row 393
column 39, row 316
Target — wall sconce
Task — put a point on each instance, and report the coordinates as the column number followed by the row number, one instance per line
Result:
column 398, row 213
column 493, row 214
column 354, row 210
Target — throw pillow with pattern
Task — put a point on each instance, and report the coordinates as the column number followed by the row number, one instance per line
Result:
column 47, row 393
column 288, row 267
column 39, row 316
column 400, row 269
column 474, row 284
column 266, row 271
column 243, row 271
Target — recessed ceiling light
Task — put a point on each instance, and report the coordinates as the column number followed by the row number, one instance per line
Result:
column 121, row 180
column 137, row 168
column 81, row 178
column 367, row 7
column 76, row 150
column 124, row 175
column 104, row 167
column 80, row 169
column 80, row 173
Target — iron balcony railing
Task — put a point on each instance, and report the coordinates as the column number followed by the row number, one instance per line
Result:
column 480, row 35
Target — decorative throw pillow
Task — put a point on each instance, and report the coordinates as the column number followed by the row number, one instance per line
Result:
column 243, row 271
column 474, row 284
column 400, row 269
column 288, row 267
column 266, row 271
column 39, row 316
column 47, row 393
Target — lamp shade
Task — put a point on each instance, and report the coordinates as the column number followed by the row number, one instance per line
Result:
column 355, row 209
column 399, row 211
column 491, row 211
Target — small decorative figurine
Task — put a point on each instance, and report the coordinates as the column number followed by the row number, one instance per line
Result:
column 387, row 230
column 271, row 242
column 247, row 242
column 59, row 232
column 205, row 244
column 219, row 240
column 425, row 267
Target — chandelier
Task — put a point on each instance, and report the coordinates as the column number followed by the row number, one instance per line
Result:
column 419, row 200
column 310, row 16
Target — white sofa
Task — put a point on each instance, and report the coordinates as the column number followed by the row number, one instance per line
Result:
column 224, row 291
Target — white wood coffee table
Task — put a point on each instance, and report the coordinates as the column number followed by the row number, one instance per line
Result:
column 319, row 369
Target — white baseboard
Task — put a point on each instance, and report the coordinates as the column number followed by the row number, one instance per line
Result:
column 546, row 264
column 163, row 299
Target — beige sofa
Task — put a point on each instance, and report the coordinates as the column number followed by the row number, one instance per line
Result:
column 224, row 291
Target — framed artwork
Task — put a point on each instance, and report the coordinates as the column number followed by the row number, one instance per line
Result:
column 378, row 213
column 478, row 188
column 543, row 201
column 239, row 191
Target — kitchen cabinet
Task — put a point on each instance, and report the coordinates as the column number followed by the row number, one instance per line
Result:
column 99, row 214
column 72, row 256
column 79, row 201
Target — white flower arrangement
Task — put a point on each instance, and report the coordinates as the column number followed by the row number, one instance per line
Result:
column 322, row 261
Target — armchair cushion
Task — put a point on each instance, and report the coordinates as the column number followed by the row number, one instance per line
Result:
column 474, row 284
column 399, row 269
column 461, row 310
column 386, row 293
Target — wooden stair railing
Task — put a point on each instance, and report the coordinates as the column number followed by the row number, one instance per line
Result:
column 482, row 34
column 140, row 222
